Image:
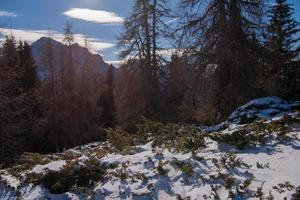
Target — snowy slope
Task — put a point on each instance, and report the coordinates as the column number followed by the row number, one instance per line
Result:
column 217, row 171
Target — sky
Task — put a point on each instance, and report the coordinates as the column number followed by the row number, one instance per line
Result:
column 98, row 20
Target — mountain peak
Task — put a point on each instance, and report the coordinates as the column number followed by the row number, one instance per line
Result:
column 79, row 54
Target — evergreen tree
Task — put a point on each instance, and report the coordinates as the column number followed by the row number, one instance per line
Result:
column 106, row 100
column 51, row 101
column 177, row 89
column 11, row 142
column 31, row 103
column 130, row 97
column 19, row 103
column 69, row 73
column 140, row 42
column 69, row 98
column 219, row 36
column 28, row 66
column 283, row 57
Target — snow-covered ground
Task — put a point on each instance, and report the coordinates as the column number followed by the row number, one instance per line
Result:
column 216, row 171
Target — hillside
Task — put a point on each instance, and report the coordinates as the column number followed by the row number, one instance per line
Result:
column 255, row 154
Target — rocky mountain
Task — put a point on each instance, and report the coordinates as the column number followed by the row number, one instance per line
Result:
column 79, row 55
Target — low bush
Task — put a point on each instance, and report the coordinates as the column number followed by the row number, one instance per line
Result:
column 229, row 181
column 230, row 160
column 256, row 133
column 239, row 138
column 259, row 194
column 33, row 159
column 282, row 187
column 296, row 195
column 121, row 174
column 72, row 175
column 184, row 138
column 160, row 169
column 122, row 141
column 184, row 167
column 25, row 162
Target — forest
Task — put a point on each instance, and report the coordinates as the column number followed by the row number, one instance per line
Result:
column 227, row 53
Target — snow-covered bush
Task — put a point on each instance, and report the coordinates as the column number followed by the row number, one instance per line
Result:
column 160, row 168
column 257, row 132
column 72, row 175
column 241, row 138
column 230, row 160
column 185, row 167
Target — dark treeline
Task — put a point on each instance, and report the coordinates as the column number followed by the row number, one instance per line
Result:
column 59, row 109
column 227, row 52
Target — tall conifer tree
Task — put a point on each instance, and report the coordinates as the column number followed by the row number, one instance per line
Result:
column 282, row 41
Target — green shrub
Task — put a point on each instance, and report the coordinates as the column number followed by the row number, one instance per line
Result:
column 239, row 138
column 121, row 174
column 33, row 159
column 262, row 166
column 56, row 182
column 184, row 167
column 246, row 184
column 91, row 172
column 25, row 162
column 230, row 160
column 282, row 187
column 160, row 169
column 59, row 187
column 247, row 136
column 184, row 138
column 214, row 192
column 256, row 133
column 119, row 139
column 280, row 127
column 97, row 153
column 191, row 142
column 179, row 197
column 187, row 169
column 122, row 141
column 270, row 197
column 296, row 195
column 71, row 176
column 259, row 192
column 229, row 180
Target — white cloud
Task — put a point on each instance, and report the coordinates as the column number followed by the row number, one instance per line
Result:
column 30, row 36
column 116, row 63
column 7, row 14
column 97, row 16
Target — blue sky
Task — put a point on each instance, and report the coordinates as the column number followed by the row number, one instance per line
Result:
column 98, row 20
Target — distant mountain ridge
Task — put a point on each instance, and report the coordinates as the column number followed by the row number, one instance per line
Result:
column 80, row 55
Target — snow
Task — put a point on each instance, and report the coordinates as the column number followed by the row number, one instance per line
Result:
column 52, row 166
column 11, row 181
column 284, row 166
column 280, row 163
column 284, row 161
column 263, row 108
